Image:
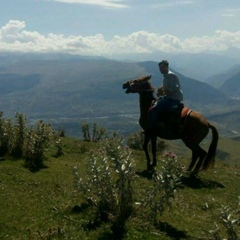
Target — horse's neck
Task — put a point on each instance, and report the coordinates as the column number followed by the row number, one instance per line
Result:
column 146, row 99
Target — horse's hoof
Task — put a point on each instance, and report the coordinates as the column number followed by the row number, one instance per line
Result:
column 151, row 168
column 194, row 175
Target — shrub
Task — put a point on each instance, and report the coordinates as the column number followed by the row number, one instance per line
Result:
column 166, row 184
column 37, row 143
column 17, row 140
column 6, row 135
column 108, row 185
column 12, row 135
column 229, row 219
column 19, row 135
column 97, row 134
column 109, row 180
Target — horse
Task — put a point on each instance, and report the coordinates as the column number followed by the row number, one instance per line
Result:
column 191, row 128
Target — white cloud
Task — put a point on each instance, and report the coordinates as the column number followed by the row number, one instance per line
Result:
column 14, row 37
column 10, row 32
column 231, row 12
column 176, row 3
column 103, row 3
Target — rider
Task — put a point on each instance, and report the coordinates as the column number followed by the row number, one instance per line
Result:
column 169, row 94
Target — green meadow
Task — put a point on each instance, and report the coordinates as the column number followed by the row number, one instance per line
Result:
column 47, row 203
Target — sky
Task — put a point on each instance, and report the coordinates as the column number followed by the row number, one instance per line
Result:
column 113, row 27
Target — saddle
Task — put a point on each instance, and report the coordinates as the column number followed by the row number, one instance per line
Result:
column 172, row 115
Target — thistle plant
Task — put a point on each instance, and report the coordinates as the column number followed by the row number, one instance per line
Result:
column 108, row 185
column 93, row 188
column 113, row 147
column 166, row 184
column 6, row 135
column 229, row 219
column 19, row 134
column 8, row 138
column 37, row 143
column 17, row 140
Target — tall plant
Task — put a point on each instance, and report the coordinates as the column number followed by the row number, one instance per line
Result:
column 19, row 135
column 108, row 186
column 97, row 133
column 37, row 143
column 162, row 193
column 229, row 219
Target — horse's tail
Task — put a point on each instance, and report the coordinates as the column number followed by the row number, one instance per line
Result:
column 210, row 158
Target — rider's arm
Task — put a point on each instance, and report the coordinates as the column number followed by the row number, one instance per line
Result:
column 170, row 84
column 160, row 92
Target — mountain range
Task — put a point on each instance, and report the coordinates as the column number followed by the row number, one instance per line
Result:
column 67, row 89
column 200, row 66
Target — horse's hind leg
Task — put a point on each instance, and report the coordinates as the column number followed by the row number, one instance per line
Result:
column 202, row 154
column 198, row 156
column 194, row 159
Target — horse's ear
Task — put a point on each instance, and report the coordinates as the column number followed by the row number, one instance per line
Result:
column 150, row 76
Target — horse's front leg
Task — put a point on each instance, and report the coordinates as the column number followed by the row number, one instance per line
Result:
column 145, row 148
column 154, row 150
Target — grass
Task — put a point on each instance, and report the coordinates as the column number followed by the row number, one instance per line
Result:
column 46, row 205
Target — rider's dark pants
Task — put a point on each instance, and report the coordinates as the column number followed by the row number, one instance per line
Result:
column 161, row 105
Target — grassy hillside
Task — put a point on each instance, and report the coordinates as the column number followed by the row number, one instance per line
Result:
column 228, row 149
column 48, row 205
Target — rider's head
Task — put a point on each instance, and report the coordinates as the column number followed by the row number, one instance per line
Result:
column 163, row 66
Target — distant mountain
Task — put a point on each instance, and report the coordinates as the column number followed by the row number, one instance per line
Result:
column 202, row 65
column 231, row 86
column 64, row 87
column 198, row 66
column 69, row 90
column 218, row 80
column 10, row 83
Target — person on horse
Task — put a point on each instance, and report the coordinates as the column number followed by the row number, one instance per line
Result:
column 170, row 95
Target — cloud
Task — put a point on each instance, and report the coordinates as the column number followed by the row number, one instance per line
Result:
column 172, row 4
column 10, row 32
column 103, row 3
column 231, row 12
column 15, row 37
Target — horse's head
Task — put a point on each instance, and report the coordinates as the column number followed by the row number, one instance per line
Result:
column 137, row 85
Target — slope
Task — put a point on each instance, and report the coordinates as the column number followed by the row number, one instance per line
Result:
column 47, row 204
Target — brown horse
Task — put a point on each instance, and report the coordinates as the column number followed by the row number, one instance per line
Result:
column 192, row 128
